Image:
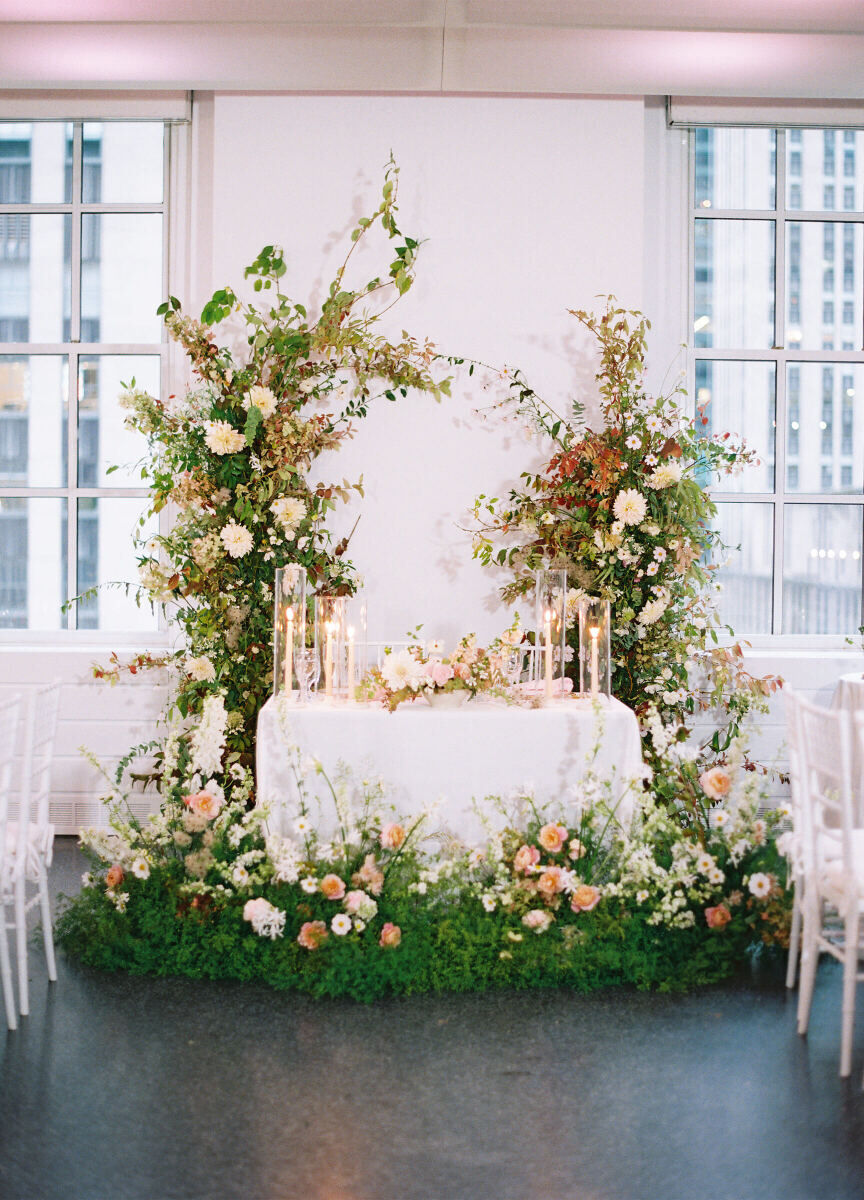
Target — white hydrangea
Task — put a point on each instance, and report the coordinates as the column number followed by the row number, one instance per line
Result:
column 208, row 740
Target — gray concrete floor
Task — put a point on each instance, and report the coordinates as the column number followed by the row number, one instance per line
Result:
column 152, row 1089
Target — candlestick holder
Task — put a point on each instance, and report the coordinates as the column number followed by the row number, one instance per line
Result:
column 595, row 666
column 550, row 605
column 289, row 627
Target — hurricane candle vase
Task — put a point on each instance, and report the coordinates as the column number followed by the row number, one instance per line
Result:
column 355, row 643
column 550, row 602
column 289, row 627
column 330, row 639
column 595, row 673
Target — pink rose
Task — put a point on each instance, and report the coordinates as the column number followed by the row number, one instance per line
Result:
column 551, row 882
column 332, row 887
column 538, row 920
column 392, row 836
column 354, row 901
column 715, row 783
column 204, row 804
column 718, row 916
column 391, row 935
column 584, row 898
column 369, row 875
column 440, row 673
column 525, row 858
column 312, row 934
column 114, row 876
column 552, row 838
column 461, row 670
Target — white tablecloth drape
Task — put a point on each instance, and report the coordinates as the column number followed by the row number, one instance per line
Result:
column 427, row 755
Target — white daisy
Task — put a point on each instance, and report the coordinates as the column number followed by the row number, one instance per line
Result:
column 341, row 924
column 653, row 422
column 704, row 863
column 715, row 875
column 760, row 885
column 633, row 442
column 302, row 824
column 309, row 885
column 718, row 817
column 222, row 438
column 650, row 460
column 642, row 896
column 651, row 569
column 236, row 539
column 488, row 902
column 141, row 867
column 659, row 553
column 240, row 876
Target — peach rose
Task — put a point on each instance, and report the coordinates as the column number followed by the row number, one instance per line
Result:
column 391, row 935
column 332, row 887
column 715, row 783
column 204, row 804
column 312, row 934
column 392, row 836
column 461, row 670
column 551, row 882
column 718, row 916
column 440, row 673
column 552, row 838
column 369, row 875
column 525, row 858
column 114, row 876
column 584, row 898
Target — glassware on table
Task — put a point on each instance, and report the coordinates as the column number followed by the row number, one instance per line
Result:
column 595, row 627
column 550, row 602
column 513, row 661
column 289, row 627
column 307, row 668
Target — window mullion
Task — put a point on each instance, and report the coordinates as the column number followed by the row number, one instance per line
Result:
column 780, row 407
column 72, row 487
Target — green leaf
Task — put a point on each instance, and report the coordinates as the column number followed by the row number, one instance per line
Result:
column 253, row 423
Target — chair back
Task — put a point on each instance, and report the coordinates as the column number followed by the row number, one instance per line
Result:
column 10, row 713
column 824, row 752
column 41, row 728
column 797, row 791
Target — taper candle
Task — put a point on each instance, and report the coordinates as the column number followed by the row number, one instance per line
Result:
column 350, row 662
column 595, row 671
column 289, row 649
column 547, row 634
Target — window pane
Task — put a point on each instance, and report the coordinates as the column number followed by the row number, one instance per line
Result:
column 33, row 162
column 747, row 577
column 121, row 277
column 122, row 162
column 734, row 284
column 34, row 277
column 32, row 551
column 106, row 554
column 740, row 399
column 103, row 439
column 823, row 274
column 826, row 161
column 735, row 168
column 824, row 447
column 33, row 413
column 822, row 568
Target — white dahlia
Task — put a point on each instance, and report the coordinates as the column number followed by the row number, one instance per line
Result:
column 289, row 512
column 236, row 539
column 652, row 611
column 262, row 398
column 630, row 507
column 664, row 476
column 403, row 670
column 222, row 438
column 201, row 669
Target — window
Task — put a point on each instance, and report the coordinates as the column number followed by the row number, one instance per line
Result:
column 764, row 356
column 82, row 226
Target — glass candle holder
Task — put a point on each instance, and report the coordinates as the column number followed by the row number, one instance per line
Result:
column 330, row 644
column 550, row 604
column 289, row 627
column 595, row 665
column 356, row 642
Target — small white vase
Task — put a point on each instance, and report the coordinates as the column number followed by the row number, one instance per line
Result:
column 447, row 699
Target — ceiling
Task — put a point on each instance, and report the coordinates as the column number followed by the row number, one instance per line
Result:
column 777, row 48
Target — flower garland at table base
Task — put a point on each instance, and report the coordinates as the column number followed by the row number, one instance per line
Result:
column 559, row 895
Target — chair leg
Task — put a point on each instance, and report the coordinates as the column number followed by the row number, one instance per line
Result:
column 811, row 925
column 850, row 969
column 21, row 947
column 6, row 973
column 794, row 937
column 47, row 928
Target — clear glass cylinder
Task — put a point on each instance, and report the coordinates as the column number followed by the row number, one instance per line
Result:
column 356, row 642
column 550, row 604
column 330, row 642
column 289, row 627
column 595, row 659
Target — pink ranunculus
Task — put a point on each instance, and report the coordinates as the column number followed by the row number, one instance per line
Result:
column 392, row 836
column 370, row 875
column 584, row 898
column 312, row 934
column 552, row 838
column 332, row 887
column 715, row 783
column 204, row 804
column 461, row 670
column 440, row 672
column 354, row 901
column 391, row 935
column 114, row 876
column 538, row 920
column 718, row 916
column 525, row 858
column 551, row 882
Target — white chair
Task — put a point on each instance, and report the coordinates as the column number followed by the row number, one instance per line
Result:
column 10, row 714
column 30, row 839
column 833, row 861
column 794, row 848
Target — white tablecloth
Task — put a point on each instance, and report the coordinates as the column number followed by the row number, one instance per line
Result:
column 426, row 755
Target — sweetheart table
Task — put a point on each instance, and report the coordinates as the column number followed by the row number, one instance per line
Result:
column 426, row 754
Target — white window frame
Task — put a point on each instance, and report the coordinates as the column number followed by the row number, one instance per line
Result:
column 781, row 356
column 174, row 112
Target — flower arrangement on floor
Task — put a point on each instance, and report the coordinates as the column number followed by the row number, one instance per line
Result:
column 624, row 509
column 233, row 457
column 468, row 670
column 358, row 901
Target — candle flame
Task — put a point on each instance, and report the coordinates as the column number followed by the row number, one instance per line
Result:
column 351, row 633
column 594, row 631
